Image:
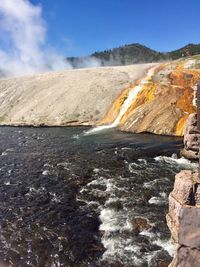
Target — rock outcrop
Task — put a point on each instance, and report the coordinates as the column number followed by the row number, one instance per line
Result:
column 164, row 103
column 183, row 219
column 191, row 138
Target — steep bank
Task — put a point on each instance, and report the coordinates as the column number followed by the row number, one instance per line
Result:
column 164, row 102
column 78, row 97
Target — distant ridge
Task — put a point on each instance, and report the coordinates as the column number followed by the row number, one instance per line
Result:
column 132, row 54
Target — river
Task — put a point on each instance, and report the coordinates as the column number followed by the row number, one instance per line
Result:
column 70, row 199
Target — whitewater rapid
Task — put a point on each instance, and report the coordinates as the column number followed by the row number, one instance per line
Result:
column 125, row 201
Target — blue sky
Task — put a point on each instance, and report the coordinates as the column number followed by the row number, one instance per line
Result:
column 80, row 27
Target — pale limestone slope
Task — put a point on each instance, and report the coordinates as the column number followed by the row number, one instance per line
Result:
column 64, row 98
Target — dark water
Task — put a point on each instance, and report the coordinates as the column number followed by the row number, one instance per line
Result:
column 84, row 201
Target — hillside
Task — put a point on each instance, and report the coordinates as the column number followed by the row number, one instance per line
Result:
column 188, row 50
column 128, row 54
column 72, row 97
column 156, row 98
column 132, row 54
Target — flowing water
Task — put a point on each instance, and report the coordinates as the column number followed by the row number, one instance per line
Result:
column 132, row 95
column 73, row 200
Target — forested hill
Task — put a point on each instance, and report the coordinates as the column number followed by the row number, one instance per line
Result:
column 131, row 54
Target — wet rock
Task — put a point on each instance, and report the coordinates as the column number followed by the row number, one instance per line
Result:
column 157, row 261
column 116, row 205
column 139, row 224
column 113, row 264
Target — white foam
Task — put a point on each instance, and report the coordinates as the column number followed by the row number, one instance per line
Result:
column 181, row 161
column 109, row 221
column 155, row 181
column 143, row 161
column 96, row 170
column 147, row 233
column 46, row 172
column 76, row 136
column 98, row 129
column 158, row 200
column 168, row 245
column 65, row 165
column 48, row 165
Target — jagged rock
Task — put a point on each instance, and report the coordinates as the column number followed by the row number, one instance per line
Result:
column 161, row 259
column 189, row 232
column 183, row 218
column 183, row 188
column 139, row 224
column 173, row 217
column 189, row 154
column 191, row 138
column 191, row 124
column 192, row 141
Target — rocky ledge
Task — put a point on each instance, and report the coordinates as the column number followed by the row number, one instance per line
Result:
column 183, row 219
column 191, row 138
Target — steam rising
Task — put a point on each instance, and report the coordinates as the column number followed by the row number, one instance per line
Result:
column 23, row 47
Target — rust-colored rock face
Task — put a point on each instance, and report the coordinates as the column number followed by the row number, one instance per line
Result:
column 163, row 104
column 114, row 110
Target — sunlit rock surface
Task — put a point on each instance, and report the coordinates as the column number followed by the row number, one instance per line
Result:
column 96, row 96
column 191, row 138
column 72, row 97
column 164, row 103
